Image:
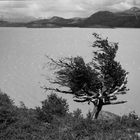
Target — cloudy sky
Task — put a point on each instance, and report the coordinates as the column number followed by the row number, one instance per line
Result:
column 64, row 8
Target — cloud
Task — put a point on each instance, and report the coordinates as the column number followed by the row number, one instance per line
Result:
column 126, row 4
column 64, row 8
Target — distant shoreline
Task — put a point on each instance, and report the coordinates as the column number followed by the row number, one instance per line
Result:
column 102, row 19
column 69, row 27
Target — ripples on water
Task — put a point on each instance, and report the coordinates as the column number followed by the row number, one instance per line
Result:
column 22, row 54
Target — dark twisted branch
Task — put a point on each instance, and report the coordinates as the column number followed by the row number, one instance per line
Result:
column 61, row 63
column 114, row 103
column 58, row 90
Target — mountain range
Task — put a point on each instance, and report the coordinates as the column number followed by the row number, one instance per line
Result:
column 103, row 19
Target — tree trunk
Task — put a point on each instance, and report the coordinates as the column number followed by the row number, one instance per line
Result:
column 97, row 109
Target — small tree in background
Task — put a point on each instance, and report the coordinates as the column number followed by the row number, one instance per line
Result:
column 52, row 106
column 98, row 82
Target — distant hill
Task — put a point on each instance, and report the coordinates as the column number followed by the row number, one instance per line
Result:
column 103, row 19
column 12, row 24
column 105, row 115
column 56, row 22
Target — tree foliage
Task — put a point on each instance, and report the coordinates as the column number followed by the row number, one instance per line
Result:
column 52, row 106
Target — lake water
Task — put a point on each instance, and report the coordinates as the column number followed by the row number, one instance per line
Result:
column 22, row 57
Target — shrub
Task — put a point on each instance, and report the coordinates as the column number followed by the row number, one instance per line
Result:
column 52, row 106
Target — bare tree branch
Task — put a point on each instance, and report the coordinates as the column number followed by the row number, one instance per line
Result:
column 76, row 100
column 58, row 90
column 61, row 62
column 114, row 103
column 118, row 90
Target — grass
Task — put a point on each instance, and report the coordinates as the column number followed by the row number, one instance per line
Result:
column 21, row 123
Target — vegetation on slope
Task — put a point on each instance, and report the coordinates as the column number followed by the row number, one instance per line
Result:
column 53, row 121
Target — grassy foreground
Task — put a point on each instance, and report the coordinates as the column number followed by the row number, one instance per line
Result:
column 53, row 121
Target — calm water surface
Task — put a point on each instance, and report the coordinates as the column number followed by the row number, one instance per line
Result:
column 22, row 56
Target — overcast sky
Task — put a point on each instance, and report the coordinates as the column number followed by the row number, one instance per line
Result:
column 63, row 8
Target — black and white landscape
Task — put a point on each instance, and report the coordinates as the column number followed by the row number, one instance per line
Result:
column 70, row 71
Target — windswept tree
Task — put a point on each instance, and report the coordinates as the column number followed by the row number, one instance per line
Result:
column 98, row 82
